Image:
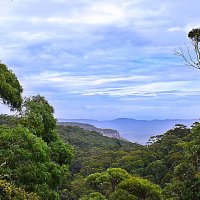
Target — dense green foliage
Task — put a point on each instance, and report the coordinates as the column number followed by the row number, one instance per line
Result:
column 37, row 115
column 8, row 120
column 116, row 183
column 170, row 160
column 33, row 158
column 9, row 191
column 186, row 180
column 158, row 161
column 94, row 152
column 10, row 88
column 26, row 161
column 30, row 163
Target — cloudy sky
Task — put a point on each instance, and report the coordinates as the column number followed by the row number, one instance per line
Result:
column 103, row 59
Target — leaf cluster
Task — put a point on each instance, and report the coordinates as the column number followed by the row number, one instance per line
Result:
column 10, row 88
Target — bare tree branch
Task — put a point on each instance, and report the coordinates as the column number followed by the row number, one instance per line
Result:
column 187, row 58
column 193, row 61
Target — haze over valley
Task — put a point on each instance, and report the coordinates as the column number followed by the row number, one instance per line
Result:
column 134, row 130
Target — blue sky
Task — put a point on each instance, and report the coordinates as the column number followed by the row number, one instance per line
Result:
column 103, row 59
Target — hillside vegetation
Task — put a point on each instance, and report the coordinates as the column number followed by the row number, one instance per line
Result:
column 157, row 162
column 106, row 132
column 93, row 152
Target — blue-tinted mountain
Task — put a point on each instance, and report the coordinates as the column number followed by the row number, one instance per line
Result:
column 135, row 130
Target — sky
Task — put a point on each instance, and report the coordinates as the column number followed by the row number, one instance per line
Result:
column 103, row 59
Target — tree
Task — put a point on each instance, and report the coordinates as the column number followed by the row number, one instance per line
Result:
column 117, row 184
column 186, row 181
column 192, row 59
column 8, row 191
column 61, row 152
column 37, row 116
column 94, row 196
column 32, row 155
column 157, row 169
column 25, row 160
column 141, row 188
column 10, row 88
column 120, row 194
column 106, row 182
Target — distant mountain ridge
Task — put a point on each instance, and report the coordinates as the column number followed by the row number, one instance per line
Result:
column 135, row 130
column 105, row 132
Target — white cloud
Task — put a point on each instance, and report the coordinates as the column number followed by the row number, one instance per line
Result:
column 67, row 80
column 181, row 88
column 114, row 85
column 173, row 29
column 103, row 49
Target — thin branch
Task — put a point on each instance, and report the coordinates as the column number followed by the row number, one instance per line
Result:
column 198, row 52
column 189, row 55
column 187, row 58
